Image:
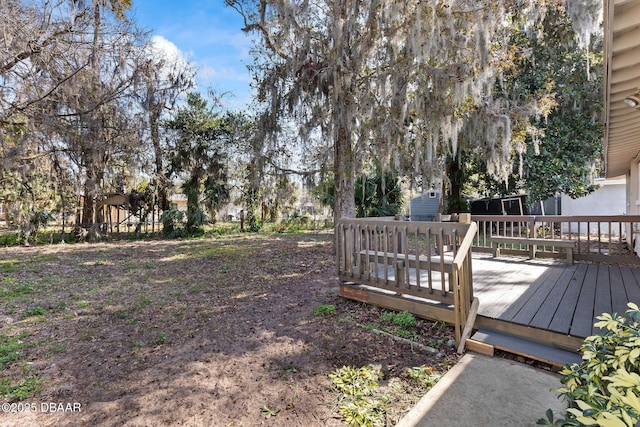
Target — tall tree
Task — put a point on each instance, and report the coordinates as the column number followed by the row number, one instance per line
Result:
column 564, row 52
column 406, row 83
column 198, row 155
column 94, row 150
column 161, row 79
column 40, row 54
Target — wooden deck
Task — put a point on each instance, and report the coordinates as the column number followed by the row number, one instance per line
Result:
column 547, row 301
column 526, row 306
column 555, row 297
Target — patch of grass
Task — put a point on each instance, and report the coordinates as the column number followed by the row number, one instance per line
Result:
column 121, row 314
column 365, row 398
column 149, row 265
column 8, row 267
column 144, row 302
column 45, row 258
column 224, row 251
column 59, row 306
column 403, row 333
column 58, row 348
column 11, row 348
column 12, row 288
column 403, row 319
column 22, row 389
column 34, row 311
column 194, row 289
column 324, row 310
column 83, row 304
column 161, row 338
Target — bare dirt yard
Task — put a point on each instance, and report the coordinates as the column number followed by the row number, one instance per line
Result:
column 235, row 330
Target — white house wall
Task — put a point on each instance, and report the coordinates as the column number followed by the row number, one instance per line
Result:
column 609, row 199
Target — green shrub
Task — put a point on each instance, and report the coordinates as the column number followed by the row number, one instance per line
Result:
column 172, row 223
column 254, row 223
column 604, row 388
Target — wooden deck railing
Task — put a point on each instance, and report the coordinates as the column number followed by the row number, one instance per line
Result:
column 430, row 260
column 598, row 238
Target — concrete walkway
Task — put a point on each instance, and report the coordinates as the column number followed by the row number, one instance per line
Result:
column 487, row 391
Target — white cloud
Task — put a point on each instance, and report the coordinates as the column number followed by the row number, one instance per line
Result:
column 166, row 49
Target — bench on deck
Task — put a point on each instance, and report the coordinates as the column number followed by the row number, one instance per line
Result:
column 399, row 261
column 532, row 243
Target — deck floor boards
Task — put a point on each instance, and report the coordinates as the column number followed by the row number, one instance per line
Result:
column 561, row 321
column 543, row 287
column 552, row 295
column 549, row 307
column 602, row 303
column 618, row 294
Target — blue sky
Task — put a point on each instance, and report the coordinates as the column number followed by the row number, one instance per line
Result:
column 208, row 34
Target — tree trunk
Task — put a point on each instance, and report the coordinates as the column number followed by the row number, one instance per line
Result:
column 161, row 180
column 455, row 202
column 343, row 106
column 344, row 197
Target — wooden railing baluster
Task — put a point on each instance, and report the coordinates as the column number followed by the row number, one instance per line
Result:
column 611, row 239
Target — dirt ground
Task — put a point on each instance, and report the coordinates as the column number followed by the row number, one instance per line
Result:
column 209, row 332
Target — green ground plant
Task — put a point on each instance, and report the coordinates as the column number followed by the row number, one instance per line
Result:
column 11, row 351
column 161, row 338
column 401, row 324
column 34, row 311
column 8, row 267
column 423, row 376
column 324, row 310
column 11, row 348
column 359, row 405
column 604, row 388
column 21, row 390
column 12, row 288
column 365, row 397
column 403, row 319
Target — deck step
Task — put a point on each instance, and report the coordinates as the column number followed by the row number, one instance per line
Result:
column 522, row 347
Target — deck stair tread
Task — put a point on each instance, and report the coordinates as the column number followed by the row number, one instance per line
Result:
column 520, row 346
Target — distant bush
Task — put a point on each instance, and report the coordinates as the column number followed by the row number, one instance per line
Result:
column 172, row 223
column 254, row 223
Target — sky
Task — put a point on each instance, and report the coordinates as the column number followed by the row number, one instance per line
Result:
column 207, row 33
